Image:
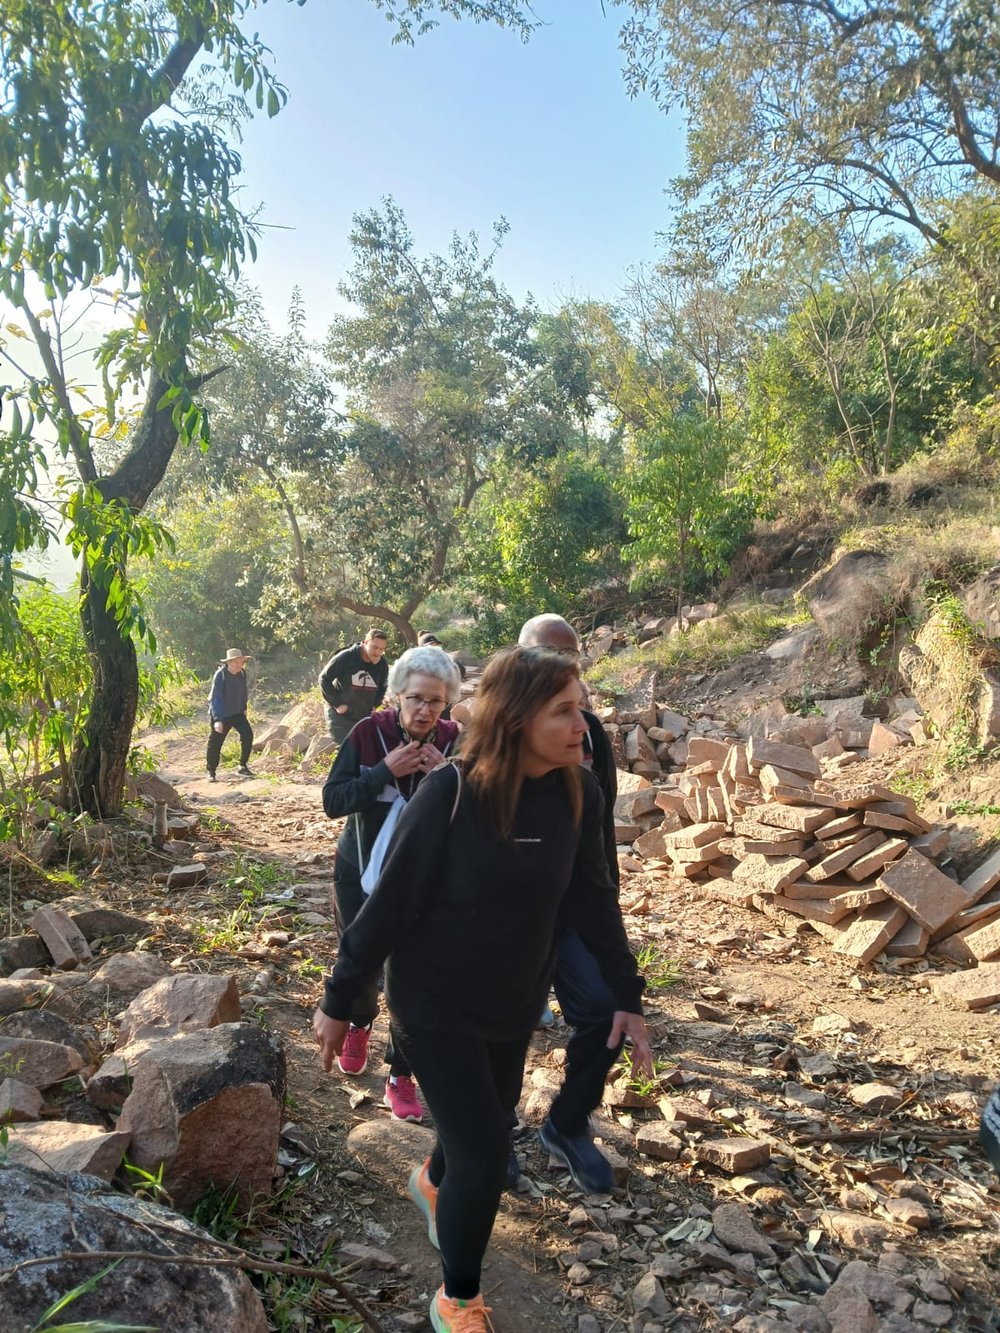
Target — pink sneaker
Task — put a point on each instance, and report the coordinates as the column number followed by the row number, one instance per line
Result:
column 353, row 1059
column 402, row 1100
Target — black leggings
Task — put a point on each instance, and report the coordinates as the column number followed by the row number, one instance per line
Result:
column 237, row 722
column 348, row 900
column 471, row 1087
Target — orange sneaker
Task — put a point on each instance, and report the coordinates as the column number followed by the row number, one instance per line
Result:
column 425, row 1196
column 453, row 1316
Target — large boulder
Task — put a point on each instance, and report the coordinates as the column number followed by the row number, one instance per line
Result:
column 72, row 1214
column 841, row 599
column 207, row 1105
column 946, row 670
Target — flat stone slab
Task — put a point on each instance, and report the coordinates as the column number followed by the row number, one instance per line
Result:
column 733, row 1155
column 59, row 1146
column 927, row 894
column 977, row 988
column 866, row 937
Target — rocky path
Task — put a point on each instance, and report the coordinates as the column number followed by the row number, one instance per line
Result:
column 847, row 1195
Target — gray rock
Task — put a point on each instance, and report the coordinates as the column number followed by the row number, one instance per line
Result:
column 46, row 1215
column 648, row 1297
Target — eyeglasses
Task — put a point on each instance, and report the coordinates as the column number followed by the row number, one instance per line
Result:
column 417, row 701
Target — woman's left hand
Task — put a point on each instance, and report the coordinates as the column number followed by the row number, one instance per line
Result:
column 329, row 1034
column 633, row 1026
column 430, row 757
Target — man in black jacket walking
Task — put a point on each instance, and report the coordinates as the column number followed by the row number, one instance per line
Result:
column 353, row 682
column 584, row 996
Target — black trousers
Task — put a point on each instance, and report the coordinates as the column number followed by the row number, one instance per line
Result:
column 588, row 1005
column 348, row 900
column 471, row 1087
column 238, row 723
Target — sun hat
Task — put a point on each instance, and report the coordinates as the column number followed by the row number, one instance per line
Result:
column 234, row 654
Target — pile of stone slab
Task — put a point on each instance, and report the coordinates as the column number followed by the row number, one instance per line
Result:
column 856, row 861
column 651, row 740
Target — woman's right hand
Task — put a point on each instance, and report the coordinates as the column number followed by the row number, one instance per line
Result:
column 217, row 726
column 404, row 760
column 329, row 1034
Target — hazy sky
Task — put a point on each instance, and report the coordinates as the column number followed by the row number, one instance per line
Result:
column 468, row 125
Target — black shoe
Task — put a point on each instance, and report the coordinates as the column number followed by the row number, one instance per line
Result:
column 211, row 775
column 513, row 1175
column 244, row 771
column 590, row 1169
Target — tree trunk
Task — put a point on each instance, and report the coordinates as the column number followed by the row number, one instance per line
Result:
column 101, row 753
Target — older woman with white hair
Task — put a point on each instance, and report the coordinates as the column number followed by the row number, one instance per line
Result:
column 377, row 769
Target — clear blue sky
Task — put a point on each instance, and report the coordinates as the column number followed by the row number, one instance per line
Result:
column 468, row 125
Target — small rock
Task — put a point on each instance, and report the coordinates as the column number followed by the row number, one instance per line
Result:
column 876, row 1098
column 817, row 1066
column 795, row 1094
column 909, row 1212
column 733, row 1155
column 368, row 1256
column 648, row 1297
column 734, row 1227
column 938, row 1316
column 578, row 1275
column 855, row 1228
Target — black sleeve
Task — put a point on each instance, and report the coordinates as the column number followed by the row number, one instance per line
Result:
column 410, row 874
column 347, row 788
column 591, row 906
column 335, row 676
column 606, row 773
column 381, row 676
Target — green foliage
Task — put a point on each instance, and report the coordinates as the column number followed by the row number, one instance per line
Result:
column 540, row 538
column 219, row 1211
column 820, row 108
column 146, row 1184
column 210, row 590
column 44, row 697
column 659, row 970
column 110, row 191
column 438, row 363
column 975, row 808
column 680, row 512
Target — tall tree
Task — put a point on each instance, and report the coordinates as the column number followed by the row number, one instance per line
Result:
column 103, row 181
column 438, row 364
column 683, row 519
column 273, row 420
column 863, row 107
column 113, row 177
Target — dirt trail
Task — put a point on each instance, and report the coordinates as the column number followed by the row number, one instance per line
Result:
column 770, row 987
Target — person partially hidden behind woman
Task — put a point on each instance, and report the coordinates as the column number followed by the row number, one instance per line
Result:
column 227, row 710
column 380, row 763
column 486, row 865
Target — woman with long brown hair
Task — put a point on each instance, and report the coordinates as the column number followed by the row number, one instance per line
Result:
column 484, row 866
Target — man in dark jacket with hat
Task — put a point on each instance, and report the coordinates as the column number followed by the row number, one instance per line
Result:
column 227, row 711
